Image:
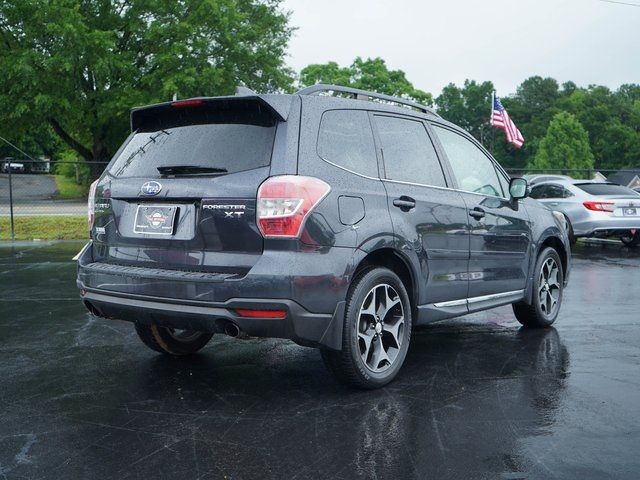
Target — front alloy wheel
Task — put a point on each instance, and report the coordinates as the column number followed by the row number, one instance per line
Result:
column 376, row 331
column 548, row 285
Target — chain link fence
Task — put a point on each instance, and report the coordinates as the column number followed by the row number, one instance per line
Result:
column 33, row 192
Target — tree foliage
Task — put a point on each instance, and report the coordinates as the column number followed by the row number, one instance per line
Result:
column 370, row 74
column 78, row 66
column 468, row 107
column 564, row 146
column 611, row 119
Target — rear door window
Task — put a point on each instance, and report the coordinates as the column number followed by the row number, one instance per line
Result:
column 539, row 192
column 409, row 155
column 346, row 140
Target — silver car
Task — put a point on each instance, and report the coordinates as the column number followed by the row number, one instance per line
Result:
column 593, row 209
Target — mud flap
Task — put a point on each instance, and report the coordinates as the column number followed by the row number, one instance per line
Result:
column 332, row 336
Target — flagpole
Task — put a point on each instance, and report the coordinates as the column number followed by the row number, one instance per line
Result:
column 493, row 130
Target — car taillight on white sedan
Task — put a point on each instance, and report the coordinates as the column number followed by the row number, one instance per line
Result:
column 599, row 206
column 285, row 202
column 91, row 205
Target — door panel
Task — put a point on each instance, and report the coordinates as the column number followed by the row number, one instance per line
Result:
column 499, row 245
column 435, row 232
column 429, row 220
column 500, row 230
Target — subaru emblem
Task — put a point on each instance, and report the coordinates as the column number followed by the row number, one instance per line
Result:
column 151, row 188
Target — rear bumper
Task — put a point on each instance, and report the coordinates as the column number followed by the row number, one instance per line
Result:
column 301, row 326
column 310, row 286
column 608, row 226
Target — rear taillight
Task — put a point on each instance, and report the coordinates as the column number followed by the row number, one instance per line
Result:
column 599, row 206
column 285, row 202
column 91, row 205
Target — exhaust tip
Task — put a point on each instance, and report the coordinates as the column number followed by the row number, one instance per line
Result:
column 92, row 309
column 232, row 330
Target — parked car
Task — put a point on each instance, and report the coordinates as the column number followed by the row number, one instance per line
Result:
column 338, row 223
column 594, row 209
column 10, row 163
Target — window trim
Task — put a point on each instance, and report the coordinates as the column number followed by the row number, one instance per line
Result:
column 373, row 137
column 496, row 166
column 380, row 150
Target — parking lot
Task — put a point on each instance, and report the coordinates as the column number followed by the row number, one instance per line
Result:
column 477, row 398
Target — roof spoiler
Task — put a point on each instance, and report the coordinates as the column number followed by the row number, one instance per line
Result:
column 277, row 105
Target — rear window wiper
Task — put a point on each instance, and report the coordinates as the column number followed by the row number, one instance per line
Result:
column 190, row 170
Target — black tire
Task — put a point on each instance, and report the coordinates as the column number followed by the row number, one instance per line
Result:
column 631, row 240
column 539, row 314
column 348, row 365
column 572, row 237
column 172, row 342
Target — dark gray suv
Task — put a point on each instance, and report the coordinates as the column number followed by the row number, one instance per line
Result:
column 337, row 218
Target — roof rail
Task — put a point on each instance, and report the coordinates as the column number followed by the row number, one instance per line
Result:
column 364, row 95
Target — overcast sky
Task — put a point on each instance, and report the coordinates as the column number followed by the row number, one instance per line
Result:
column 506, row 41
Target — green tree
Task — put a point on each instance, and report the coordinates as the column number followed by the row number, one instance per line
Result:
column 565, row 146
column 370, row 74
column 80, row 65
column 469, row 107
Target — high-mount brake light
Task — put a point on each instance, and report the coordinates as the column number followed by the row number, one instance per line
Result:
column 194, row 102
column 599, row 206
column 285, row 202
column 91, row 205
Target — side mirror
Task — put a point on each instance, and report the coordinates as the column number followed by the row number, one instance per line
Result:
column 518, row 188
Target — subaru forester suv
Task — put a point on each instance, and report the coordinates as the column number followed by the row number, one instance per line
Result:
column 337, row 218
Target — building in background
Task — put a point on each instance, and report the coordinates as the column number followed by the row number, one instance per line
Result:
column 627, row 178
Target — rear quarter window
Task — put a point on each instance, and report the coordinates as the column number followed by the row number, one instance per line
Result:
column 345, row 139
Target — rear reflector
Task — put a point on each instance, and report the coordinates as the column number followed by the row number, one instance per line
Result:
column 251, row 313
column 285, row 202
column 187, row 103
column 599, row 206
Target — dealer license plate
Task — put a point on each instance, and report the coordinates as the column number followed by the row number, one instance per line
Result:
column 155, row 219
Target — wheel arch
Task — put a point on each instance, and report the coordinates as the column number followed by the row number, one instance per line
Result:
column 396, row 262
column 557, row 244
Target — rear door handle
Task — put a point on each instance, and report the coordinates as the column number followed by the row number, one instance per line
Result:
column 477, row 213
column 554, row 204
column 404, row 203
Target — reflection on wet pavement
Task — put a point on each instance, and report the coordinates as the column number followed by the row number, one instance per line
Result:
column 478, row 396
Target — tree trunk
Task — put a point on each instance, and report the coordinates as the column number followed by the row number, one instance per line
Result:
column 99, row 157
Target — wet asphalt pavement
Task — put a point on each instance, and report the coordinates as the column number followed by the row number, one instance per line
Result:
column 478, row 397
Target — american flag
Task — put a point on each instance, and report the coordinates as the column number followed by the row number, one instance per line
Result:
column 500, row 119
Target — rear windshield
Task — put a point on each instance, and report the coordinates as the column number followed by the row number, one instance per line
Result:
column 606, row 189
column 230, row 147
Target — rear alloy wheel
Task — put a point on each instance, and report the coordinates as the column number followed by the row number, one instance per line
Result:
column 548, row 286
column 631, row 240
column 376, row 332
column 171, row 341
